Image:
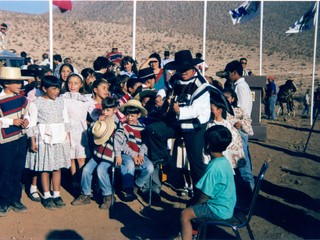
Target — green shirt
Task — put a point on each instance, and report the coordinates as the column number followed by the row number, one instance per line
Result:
column 218, row 184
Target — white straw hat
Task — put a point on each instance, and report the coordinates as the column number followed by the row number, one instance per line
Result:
column 134, row 103
column 12, row 73
column 102, row 130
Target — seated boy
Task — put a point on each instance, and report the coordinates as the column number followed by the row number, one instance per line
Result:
column 130, row 151
column 103, row 156
column 218, row 193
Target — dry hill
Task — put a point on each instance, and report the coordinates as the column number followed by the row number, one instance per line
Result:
column 93, row 27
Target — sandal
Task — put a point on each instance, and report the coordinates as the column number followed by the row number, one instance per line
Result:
column 34, row 197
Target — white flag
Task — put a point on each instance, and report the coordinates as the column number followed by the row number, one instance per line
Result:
column 245, row 12
column 306, row 22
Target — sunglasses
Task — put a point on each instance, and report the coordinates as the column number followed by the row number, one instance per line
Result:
column 153, row 62
column 244, row 63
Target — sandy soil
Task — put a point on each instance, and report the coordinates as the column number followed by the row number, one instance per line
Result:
column 287, row 208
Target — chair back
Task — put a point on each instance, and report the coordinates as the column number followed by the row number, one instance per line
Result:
column 257, row 189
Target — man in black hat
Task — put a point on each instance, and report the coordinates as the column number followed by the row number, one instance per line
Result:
column 188, row 114
column 147, row 78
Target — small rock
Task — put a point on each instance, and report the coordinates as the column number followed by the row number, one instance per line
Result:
column 297, row 181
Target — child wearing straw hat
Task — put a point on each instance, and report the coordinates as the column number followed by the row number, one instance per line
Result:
column 13, row 142
column 130, row 151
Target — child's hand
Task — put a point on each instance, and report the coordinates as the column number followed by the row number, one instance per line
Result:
column 102, row 117
column 33, row 147
column 17, row 122
column 136, row 160
column 25, row 123
column 118, row 160
column 141, row 159
column 237, row 125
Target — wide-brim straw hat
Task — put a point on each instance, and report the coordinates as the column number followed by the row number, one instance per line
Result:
column 134, row 103
column 183, row 61
column 102, row 130
column 12, row 73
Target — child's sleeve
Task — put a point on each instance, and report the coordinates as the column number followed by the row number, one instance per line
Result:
column 32, row 116
column 143, row 150
column 118, row 141
column 5, row 122
column 246, row 123
column 66, row 116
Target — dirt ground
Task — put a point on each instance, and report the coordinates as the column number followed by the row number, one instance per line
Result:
column 287, row 208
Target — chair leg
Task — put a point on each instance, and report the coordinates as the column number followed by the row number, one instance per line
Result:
column 150, row 191
column 250, row 232
column 113, row 169
column 202, row 231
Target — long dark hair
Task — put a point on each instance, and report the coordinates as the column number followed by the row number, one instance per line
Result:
column 233, row 95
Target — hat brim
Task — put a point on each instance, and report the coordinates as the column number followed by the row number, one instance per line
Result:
column 219, row 99
column 25, row 78
column 107, row 135
column 144, row 111
column 174, row 65
column 145, row 93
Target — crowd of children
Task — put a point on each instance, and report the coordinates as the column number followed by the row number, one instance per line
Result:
column 98, row 119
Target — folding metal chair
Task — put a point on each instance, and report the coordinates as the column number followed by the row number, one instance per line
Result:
column 113, row 170
column 238, row 220
column 150, row 186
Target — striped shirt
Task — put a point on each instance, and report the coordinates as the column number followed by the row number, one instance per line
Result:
column 11, row 107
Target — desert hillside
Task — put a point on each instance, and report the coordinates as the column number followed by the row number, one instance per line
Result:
column 93, row 27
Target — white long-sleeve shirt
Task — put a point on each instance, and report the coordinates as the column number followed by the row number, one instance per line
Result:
column 244, row 95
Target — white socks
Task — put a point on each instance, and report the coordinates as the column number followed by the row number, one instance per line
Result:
column 56, row 194
column 33, row 188
column 47, row 195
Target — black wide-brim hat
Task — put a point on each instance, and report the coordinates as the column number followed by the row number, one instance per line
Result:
column 183, row 61
column 145, row 74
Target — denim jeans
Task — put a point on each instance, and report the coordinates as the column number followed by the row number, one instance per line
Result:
column 103, row 177
column 246, row 171
column 272, row 106
column 128, row 169
column 156, row 182
column 306, row 110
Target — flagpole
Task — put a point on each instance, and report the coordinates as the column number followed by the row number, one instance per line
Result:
column 314, row 60
column 204, row 36
column 261, row 36
column 51, row 34
column 134, row 29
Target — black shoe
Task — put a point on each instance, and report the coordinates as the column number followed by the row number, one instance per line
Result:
column 48, row 203
column 129, row 196
column 59, row 202
column 155, row 197
column 34, row 197
column 18, row 207
column 4, row 209
column 144, row 195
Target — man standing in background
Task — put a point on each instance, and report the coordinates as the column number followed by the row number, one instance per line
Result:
column 3, row 36
column 271, row 94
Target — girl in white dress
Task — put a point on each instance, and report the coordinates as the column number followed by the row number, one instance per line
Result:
column 50, row 144
column 77, row 106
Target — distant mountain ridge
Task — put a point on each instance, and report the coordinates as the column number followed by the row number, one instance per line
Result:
column 187, row 17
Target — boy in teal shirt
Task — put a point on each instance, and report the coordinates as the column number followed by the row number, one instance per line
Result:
column 218, row 192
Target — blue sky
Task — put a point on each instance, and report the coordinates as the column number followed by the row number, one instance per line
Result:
column 25, row 6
